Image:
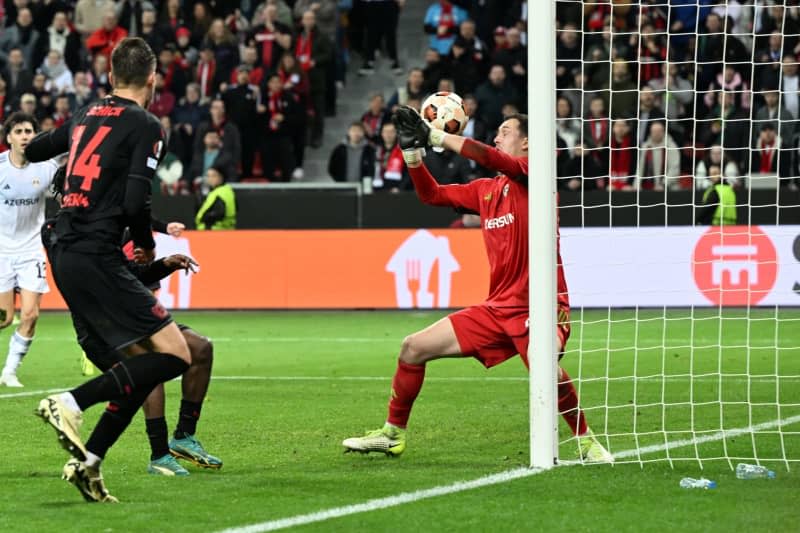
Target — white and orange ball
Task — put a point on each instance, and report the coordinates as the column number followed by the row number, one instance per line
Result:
column 445, row 111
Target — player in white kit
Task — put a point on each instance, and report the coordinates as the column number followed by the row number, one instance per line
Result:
column 24, row 187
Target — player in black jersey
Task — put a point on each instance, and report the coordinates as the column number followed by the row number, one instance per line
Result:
column 114, row 147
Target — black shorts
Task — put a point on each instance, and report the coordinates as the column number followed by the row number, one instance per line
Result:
column 105, row 297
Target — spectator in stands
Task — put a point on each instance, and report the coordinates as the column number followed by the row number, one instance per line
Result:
column 61, row 112
column 163, row 102
column 514, row 59
column 21, row 35
column 250, row 60
column 207, row 75
column 474, row 45
column 83, row 91
column 768, row 61
column 270, row 38
column 172, row 16
column 381, row 17
column 448, row 167
column 715, row 47
column 714, row 157
column 28, row 104
column 492, row 95
column 390, row 170
column 242, row 102
column 774, row 111
column 768, row 154
column 567, row 126
column 227, row 132
column 175, row 78
column 212, row 153
column 790, row 85
column 462, row 67
column 295, row 82
column 622, row 165
column 624, row 92
column 354, row 159
column 652, row 53
column 413, row 89
column 597, row 131
column 44, row 98
column 129, row 15
column 314, row 51
column 186, row 54
column 579, row 171
column 736, row 138
column 103, row 40
column 676, row 96
column 648, row 112
column 374, row 118
column 435, row 69
column 475, row 128
column 99, row 76
column 170, row 170
column 188, row 115
column 18, row 78
column 283, row 113
column 89, row 15
column 568, row 54
column 659, row 161
column 218, row 210
column 61, row 38
column 326, row 17
column 59, row 78
column 150, row 32
column 200, row 23
column 224, row 45
column 442, row 20
column 730, row 80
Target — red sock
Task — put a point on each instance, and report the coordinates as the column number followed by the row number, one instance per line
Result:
column 568, row 405
column 405, row 387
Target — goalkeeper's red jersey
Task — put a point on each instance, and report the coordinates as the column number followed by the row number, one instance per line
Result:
column 502, row 203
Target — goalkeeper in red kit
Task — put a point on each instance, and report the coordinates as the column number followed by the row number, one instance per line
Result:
column 497, row 329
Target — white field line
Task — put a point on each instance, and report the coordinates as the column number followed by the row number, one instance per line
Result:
column 460, row 486
column 708, row 379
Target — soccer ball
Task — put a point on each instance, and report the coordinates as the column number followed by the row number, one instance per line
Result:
column 445, row 111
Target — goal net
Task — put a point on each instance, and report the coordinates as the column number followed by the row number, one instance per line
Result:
column 677, row 142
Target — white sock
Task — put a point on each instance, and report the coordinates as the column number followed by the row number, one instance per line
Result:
column 92, row 460
column 69, row 400
column 17, row 348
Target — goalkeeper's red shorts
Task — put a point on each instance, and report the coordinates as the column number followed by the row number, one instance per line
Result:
column 493, row 334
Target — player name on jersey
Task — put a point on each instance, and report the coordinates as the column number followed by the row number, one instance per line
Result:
column 105, row 111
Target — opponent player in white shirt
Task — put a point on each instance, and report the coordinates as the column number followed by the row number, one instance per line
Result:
column 23, row 189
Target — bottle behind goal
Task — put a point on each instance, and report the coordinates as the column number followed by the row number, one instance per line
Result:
column 746, row 471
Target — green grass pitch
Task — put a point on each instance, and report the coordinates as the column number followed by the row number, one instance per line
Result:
column 289, row 386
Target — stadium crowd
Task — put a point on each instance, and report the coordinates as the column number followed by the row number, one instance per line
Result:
column 662, row 94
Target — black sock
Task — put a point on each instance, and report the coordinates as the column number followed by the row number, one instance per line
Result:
column 187, row 420
column 114, row 420
column 157, row 434
column 126, row 377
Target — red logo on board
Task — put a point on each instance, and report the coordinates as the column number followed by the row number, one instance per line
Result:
column 735, row 265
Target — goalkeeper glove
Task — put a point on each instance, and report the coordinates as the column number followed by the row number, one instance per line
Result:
column 412, row 134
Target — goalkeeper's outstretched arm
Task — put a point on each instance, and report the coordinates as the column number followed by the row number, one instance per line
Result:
column 483, row 154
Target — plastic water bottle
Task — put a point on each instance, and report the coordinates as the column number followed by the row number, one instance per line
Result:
column 746, row 471
column 702, row 483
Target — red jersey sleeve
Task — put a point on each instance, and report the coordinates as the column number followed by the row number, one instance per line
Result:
column 430, row 192
column 490, row 157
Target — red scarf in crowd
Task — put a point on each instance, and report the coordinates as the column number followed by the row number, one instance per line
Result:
column 205, row 76
column 275, row 107
column 267, row 39
column 302, row 50
column 446, row 19
column 621, row 159
column 650, row 171
column 767, row 152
